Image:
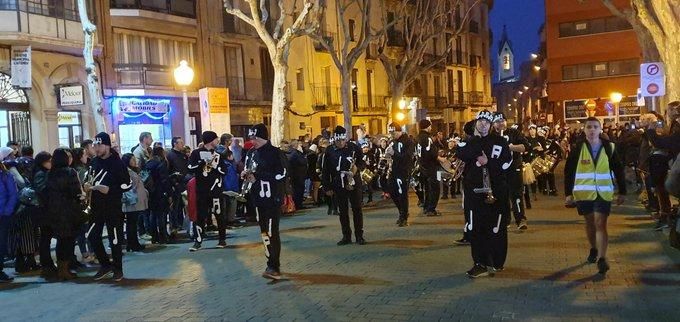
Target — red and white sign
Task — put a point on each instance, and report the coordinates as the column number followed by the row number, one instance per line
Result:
column 652, row 79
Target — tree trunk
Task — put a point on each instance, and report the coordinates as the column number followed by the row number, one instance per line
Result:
column 671, row 61
column 346, row 99
column 90, row 32
column 279, row 102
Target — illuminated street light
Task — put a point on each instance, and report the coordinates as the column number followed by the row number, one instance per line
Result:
column 400, row 116
column 526, row 87
column 184, row 76
column 520, row 92
column 534, row 56
column 537, row 68
column 514, row 99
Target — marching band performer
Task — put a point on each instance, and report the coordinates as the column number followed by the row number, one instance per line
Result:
column 518, row 144
column 554, row 151
column 537, row 150
column 487, row 158
column 427, row 152
column 208, row 170
column 340, row 177
column 267, row 194
column 402, row 165
column 370, row 164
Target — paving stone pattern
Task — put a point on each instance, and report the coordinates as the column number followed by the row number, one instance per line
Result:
column 413, row 273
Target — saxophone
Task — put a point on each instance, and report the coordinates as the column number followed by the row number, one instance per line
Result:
column 250, row 168
column 486, row 188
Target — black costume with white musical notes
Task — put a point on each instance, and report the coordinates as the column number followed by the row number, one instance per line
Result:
column 487, row 223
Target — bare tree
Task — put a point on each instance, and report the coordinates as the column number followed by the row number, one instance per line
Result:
column 278, row 41
column 90, row 33
column 347, row 49
column 657, row 26
column 421, row 22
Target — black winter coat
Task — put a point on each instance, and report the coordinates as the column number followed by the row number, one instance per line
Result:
column 161, row 190
column 64, row 212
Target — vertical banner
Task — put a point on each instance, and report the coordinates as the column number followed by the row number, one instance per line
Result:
column 215, row 113
column 21, row 66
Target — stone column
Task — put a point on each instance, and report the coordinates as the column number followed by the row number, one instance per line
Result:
column 51, row 129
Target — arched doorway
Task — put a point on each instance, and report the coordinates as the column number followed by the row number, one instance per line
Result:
column 15, row 119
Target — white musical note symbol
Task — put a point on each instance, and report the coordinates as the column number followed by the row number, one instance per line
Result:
column 470, row 224
column 498, row 225
column 265, row 193
column 399, row 182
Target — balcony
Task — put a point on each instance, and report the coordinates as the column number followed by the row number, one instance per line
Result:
column 370, row 104
column 182, row 8
column 434, row 102
column 249, row 89
column 372, row 52
column 431, row 58
column 465, row 99
column 328, row 38
column 457, row 57
column 326, row 97
column 144, row 75
column 233, row 25
column 54, row 27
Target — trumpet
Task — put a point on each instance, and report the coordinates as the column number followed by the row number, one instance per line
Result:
column 486, row 188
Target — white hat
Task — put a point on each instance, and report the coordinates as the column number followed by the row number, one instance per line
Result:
column 5, row 152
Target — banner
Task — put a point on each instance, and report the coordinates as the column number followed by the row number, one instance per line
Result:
column 21, row 66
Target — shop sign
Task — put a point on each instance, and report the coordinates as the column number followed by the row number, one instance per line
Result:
column 21, row 66
column 575, row 109
column 68, row 118
column 135, row 105
column 71, row 95
column 629, row 106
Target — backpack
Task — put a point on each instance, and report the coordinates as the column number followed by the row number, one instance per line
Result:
column 231, row 178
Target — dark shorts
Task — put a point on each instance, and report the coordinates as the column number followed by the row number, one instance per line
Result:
column 589, row 207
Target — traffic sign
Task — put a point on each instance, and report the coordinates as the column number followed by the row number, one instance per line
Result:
column 652, row 79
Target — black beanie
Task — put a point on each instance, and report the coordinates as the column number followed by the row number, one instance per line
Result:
column 260, row 131
column 469, row 128
column 208, row 136
column 102, row 138
column 424, row 123
column 339, row 133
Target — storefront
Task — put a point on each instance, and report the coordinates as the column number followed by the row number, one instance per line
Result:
column 603, row 109
column 132, row 116
column 70, row 129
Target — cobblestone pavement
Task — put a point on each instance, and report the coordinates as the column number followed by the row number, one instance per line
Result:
column 412, row 273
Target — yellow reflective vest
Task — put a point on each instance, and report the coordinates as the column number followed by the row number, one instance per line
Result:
column 593, row 179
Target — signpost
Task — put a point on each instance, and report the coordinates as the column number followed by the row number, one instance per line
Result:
column 653, row 81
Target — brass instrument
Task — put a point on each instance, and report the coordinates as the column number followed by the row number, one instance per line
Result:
column 541, row 165
column 347, row 177
column 250, row 168
column 486, row 189
column 367, row 176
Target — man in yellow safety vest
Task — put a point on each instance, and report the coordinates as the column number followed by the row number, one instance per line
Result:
column 588, row 183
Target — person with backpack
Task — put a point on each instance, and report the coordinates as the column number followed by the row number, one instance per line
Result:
column 9, row 198
column 588, row 184
column 135, row 202
column 159, row 195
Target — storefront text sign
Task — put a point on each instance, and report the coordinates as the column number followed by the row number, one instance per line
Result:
column 135, row 105
column 71, row 95
column 21, row 66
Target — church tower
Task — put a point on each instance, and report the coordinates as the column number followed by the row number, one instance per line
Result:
column 506, row 58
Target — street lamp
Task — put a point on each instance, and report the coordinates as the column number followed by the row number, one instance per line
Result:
column 537, row 68
column 616, row 98
column 184, row 76
column 534, row 56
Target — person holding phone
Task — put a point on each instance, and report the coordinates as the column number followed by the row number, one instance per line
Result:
column 589, row 185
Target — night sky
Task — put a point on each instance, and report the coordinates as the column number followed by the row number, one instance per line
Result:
column 523, row 18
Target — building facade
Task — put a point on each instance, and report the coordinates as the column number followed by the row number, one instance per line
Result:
column 43, row 104
column 591, row 54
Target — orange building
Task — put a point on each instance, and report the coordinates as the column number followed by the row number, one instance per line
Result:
column 590, row 54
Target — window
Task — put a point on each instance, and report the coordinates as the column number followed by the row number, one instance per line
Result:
column 601, row 69
column 352, row 25
column 593, row 26
column 300, row 79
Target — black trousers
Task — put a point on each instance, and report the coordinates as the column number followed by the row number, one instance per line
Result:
column 268, row 219
column 399, row 194
column 343, row 197
column 45, row 252
column 206, row 207
column 131, row 228
column 516, row 187
column 487, row 225
column 65, row 247
column 177, row 212
column 298, row 193
column 431, row 193
column 114, row 228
